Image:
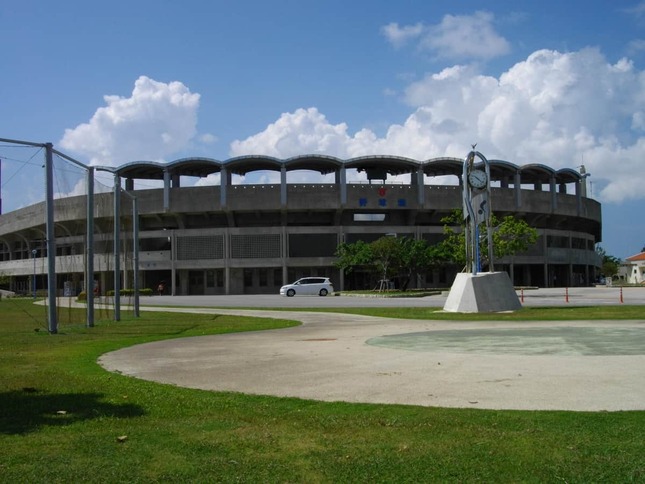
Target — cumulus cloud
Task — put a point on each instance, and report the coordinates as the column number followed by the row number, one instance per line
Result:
column 157, row 120
column 398, row 36
column 559, row 109
column 303, row 131
column 456, row 37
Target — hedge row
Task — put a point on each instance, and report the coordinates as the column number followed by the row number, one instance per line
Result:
column 124, row 292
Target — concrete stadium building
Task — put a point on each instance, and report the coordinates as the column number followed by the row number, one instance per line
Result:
column 236, row 238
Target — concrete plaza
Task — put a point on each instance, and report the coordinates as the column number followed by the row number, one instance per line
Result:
column 569, row 365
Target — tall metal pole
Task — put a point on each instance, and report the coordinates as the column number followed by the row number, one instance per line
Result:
column 135, row 249
column 117, row 248
column 33, row 283
column 51, row 239
column 89, row 249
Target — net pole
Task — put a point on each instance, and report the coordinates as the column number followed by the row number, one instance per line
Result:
column 117, row 248
column 135, row 249
column 51, row 239
column 89, row 249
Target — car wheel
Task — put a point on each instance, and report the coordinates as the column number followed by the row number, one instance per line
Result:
column 323, row 292
column 291, row 293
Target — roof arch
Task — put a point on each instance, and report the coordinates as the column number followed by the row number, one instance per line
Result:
column 377, row 166
column 320, row 163
column 500, row 169
column 443, row 166
column 568, row 175
column 141, row 170
column 242, row 165
column 536, row 173
column 194, row 166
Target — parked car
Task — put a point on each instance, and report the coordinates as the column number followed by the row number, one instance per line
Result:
column 308, row 286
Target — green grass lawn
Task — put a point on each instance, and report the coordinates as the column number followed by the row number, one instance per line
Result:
column 65, row 419
column 555, row 313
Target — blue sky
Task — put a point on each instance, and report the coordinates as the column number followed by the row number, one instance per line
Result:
column 553, row 82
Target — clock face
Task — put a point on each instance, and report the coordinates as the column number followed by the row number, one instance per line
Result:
column 477, row 179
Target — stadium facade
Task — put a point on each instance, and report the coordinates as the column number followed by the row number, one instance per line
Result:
column 233, row 238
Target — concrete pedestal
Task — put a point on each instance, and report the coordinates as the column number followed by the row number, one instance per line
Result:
column 485, row 292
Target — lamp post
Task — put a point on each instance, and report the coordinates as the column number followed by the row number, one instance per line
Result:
column 33, row 253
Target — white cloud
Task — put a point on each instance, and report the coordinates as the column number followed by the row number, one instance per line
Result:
column 303, row 131
column 156, row 121
column 637, row 10
column 559, row 109
column 466, row 37
column 398, row 36
column 636, row 46
column 456, row 37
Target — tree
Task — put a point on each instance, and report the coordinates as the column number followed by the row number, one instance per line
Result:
column 4, row 280
column 417, row 257
column 510, row 236
column 610, row 264
column 388, row 258
column 351, row 256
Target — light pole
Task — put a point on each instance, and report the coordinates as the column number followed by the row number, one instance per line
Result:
column 33, row 253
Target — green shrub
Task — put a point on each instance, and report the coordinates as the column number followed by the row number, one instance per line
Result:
column 130, row 292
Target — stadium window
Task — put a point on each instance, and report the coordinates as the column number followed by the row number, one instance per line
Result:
column 369, row 217
column 263, row 277
column 248, row 277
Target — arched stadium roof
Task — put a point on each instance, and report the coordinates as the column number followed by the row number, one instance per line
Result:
column 375, row 165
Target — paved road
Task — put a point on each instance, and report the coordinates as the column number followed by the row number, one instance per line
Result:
column 581, row 296
column 582, row 365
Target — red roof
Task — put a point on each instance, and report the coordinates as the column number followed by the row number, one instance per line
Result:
column 637, row 257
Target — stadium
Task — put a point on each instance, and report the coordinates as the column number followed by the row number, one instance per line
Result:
column 232, row 237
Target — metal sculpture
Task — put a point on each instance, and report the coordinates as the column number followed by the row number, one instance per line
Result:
column 477, row 210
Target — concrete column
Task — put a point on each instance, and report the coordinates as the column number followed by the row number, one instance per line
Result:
column 173, row 259
column 517, row 184
column 129, row 184
column 554, row 194
column 285, row 255
column 227, row 262
column 340, row 240
column 224, row 181
column 283, row 187
column 343, row 186
column 166, row 190
column 421, row 194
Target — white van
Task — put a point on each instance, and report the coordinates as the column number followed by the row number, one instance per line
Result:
column 308, row 286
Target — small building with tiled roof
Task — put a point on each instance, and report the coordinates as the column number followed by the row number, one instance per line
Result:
column 633, row 269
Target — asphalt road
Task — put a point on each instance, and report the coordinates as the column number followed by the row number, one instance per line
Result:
column 581, row 296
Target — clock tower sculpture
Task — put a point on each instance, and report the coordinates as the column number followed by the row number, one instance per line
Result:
column 477, row 210
column 474, row 291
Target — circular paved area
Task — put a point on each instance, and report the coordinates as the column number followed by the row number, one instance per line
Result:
column 338, row 357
